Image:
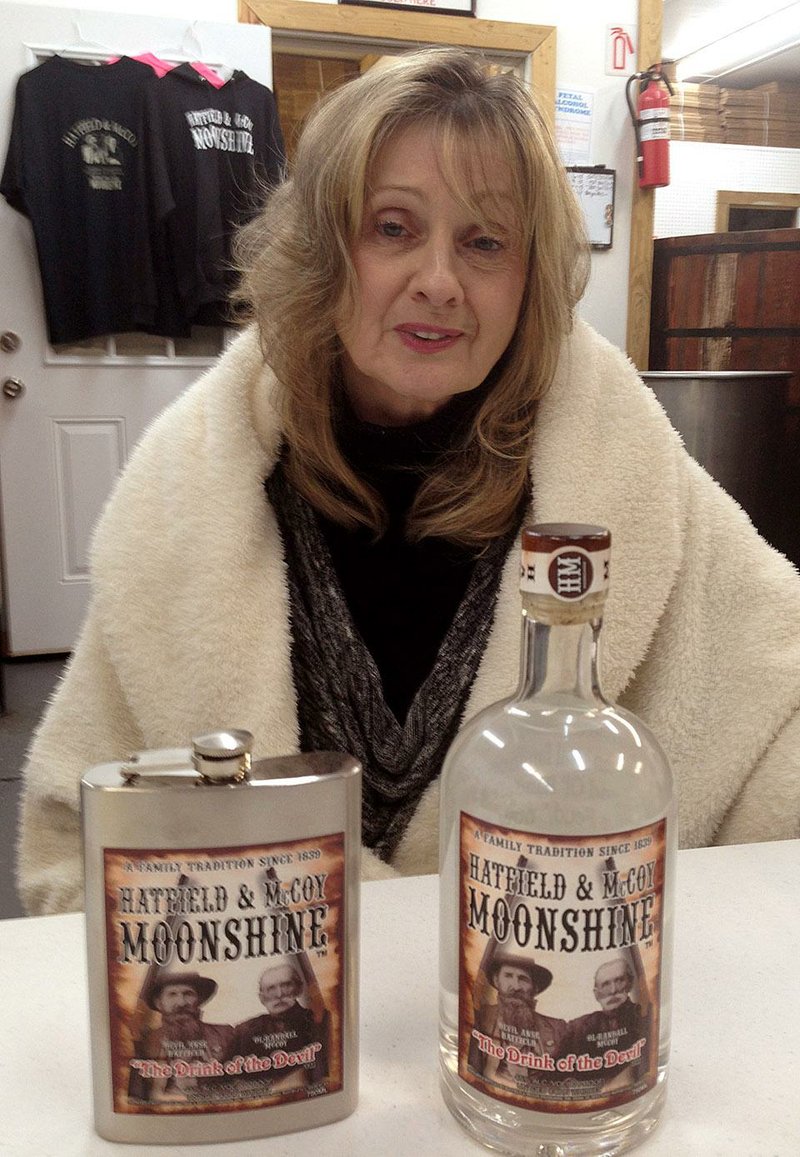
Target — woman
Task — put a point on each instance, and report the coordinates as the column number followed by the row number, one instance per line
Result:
column 412, row 388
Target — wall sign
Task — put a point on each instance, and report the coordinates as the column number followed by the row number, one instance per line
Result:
column 443, row 7
column 574, row 115
column 620, row 49
column 594, row 188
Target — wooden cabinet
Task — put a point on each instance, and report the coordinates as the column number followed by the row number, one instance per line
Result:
column 728, row 302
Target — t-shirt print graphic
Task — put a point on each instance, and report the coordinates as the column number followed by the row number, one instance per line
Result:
column 213, row 128
column 101, row 146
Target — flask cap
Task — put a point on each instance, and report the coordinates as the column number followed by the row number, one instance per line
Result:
column 223, row 756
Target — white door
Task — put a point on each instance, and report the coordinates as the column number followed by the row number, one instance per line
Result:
column 68, row 420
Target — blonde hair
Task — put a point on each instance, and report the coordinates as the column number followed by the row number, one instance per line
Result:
column 297, row 274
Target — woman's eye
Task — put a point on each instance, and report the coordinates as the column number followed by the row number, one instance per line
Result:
column 486, row 244
column 390, row 228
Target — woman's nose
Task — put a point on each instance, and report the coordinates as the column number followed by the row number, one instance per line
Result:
column 435, row 277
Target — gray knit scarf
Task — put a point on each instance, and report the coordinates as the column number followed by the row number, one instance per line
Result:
column 339, row 694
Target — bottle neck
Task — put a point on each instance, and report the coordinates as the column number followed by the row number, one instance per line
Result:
column 560, row 658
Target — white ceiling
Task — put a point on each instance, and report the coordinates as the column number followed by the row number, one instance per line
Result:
column 749, row 43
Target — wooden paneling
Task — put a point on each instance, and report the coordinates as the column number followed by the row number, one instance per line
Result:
column 730, row 302
column 298, row 82
column 731, row 286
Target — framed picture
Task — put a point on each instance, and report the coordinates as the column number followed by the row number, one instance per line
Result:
column 442, row 7
column 594, row 187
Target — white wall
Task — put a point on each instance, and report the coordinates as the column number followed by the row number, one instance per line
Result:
column 580, row 64
column 133, row 26
column 689, row 204
column 220, row 10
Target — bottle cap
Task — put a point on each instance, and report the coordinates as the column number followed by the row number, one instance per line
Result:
column 565, row 561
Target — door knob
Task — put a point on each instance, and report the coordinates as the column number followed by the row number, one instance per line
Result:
column 13, row 388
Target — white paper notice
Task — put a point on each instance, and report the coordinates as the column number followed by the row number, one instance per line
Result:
column 574, row 109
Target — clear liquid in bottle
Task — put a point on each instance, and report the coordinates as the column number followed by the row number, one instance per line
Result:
column 558, row 834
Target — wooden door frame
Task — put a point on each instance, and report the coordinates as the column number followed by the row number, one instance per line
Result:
column 534, row 41
column 640, row 264
column 728, row 198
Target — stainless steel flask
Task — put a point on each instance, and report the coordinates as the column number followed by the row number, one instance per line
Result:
column 222, row 911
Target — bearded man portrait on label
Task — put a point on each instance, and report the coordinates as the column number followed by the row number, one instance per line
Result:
column 318, row 540
column 182, row 1035
column 514, row 1020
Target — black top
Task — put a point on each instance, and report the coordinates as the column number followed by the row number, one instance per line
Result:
column 402, row 595
column 215, row 153
column 74, row 167
column 341, row 704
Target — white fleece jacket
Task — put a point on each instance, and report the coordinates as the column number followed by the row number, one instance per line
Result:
column 188, row 628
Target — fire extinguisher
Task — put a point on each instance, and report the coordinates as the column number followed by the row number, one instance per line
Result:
column 650, row 117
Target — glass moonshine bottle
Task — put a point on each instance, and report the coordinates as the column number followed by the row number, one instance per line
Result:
column 557, row 851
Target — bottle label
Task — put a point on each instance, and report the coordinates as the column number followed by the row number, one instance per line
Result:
column 567, row 573
column 225, row 975
column 559, row 965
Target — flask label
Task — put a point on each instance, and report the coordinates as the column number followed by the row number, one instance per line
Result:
column 225, row 975
column 559, row 965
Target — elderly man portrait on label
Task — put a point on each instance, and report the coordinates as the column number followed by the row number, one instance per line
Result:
column 619, row 1024
column 317, row 542
column 286, row 1025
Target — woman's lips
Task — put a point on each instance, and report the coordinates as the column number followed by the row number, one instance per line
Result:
column 427, row 338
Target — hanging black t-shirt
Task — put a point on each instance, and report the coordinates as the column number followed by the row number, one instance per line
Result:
column 74, row 167
column 215, row 153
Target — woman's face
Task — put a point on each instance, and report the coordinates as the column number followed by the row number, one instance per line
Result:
column 438, row 292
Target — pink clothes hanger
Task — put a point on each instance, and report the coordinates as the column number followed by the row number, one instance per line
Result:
column 162, row 67
column 159, row 67
column 210, row 75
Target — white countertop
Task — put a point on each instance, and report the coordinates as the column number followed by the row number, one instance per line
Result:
column 735, row 1076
